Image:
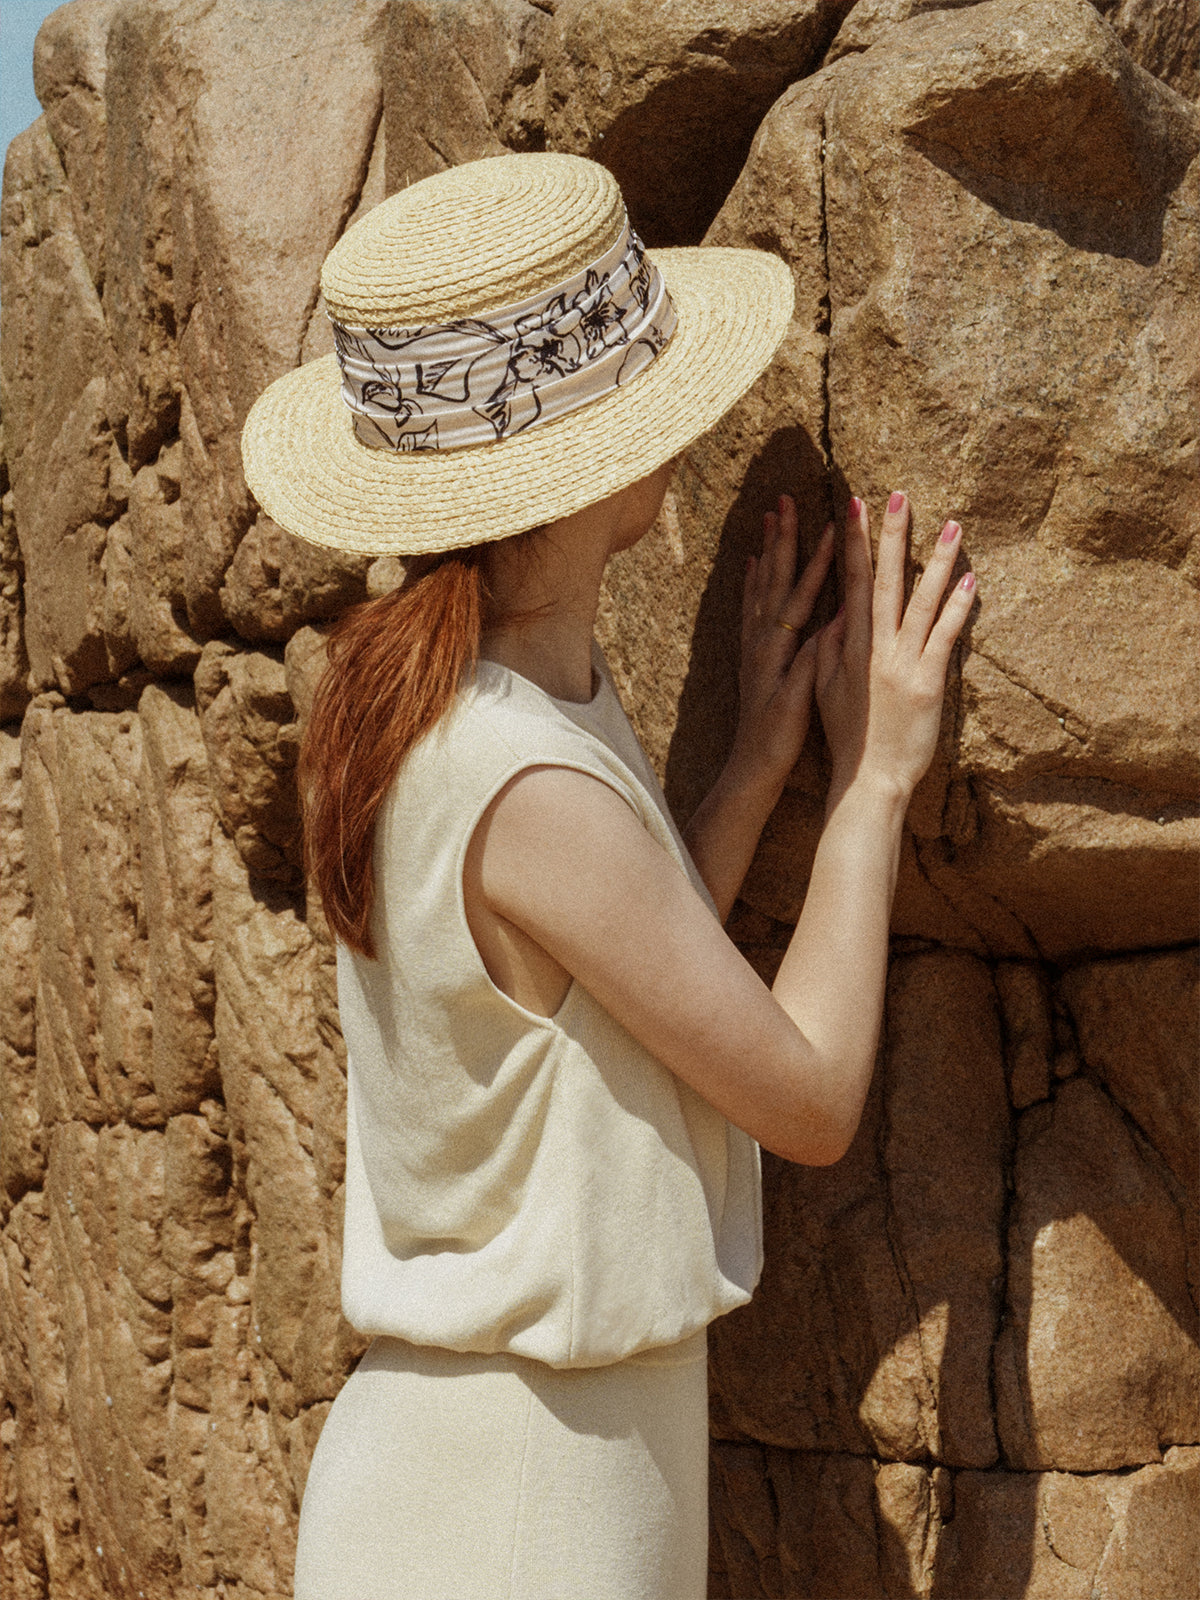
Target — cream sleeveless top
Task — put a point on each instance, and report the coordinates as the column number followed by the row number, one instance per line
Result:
column 540, row 1186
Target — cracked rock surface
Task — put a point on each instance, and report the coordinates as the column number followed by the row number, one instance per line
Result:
column 971, row 1370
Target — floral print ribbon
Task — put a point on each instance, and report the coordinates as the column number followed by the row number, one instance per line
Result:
column 484, row 378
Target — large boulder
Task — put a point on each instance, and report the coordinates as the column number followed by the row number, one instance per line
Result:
column 40, row 1445
column 69, row 481
column 14, row 662
column 252, row 741
column 667, row 96
column 1165, row 39
column 873, row 1329
column 249, row 161
column 175, row 817
column 22, row 1152
column 70, row 60
column 994, row 312
column 160, row 262
column 1144, row 1055
column 1097, row 1365
column 1131, row 1535
column 843, row 1525
column 80, row 813
column 104, row 1194
column 799, row 1523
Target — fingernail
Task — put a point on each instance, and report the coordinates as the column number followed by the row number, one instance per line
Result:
column 896, row 501
column 856, row 506
column 950, row 532
column 783, row 504
column 968, row 582
column 828, row 533
column 841, row 612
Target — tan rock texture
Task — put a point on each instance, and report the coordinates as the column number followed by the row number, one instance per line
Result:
column 984, row 312
column 971, row 1371
column 14, row 663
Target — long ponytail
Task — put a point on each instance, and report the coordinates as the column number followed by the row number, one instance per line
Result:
column 394, row 666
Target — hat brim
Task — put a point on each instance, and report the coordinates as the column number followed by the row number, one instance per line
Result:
column 309, row 471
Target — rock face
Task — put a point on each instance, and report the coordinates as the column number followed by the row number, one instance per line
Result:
column 971, row 1370
column 996, row 315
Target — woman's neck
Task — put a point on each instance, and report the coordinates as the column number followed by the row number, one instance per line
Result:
column 558, row 661
column 550, row 585
column 552, row 581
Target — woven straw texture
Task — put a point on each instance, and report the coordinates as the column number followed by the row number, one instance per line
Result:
column 471, row 240
column 310, row 472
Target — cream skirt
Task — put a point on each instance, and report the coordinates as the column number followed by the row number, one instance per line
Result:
column 441, row 1476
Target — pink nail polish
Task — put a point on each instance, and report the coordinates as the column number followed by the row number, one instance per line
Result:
column 968, row 582
column 896, row 501
column 841, row 612
column 950, row 532
column 856, row 506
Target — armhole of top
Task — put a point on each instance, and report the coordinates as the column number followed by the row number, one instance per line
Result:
column 610, row 781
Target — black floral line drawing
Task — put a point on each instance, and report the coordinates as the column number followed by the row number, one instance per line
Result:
column 607, row 317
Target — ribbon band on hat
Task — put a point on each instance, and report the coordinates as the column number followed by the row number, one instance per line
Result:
column 479, row 379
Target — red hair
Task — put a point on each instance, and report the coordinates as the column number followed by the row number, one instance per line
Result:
column 394, row 666
column 393, row 669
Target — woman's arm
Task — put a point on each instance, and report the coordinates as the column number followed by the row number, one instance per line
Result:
column 565, row 860
column 776, row 683
column 881, row 674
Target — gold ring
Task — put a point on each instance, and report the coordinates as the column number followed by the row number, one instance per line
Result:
column 780, row 623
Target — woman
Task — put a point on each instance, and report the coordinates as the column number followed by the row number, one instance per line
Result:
column 560, row 1067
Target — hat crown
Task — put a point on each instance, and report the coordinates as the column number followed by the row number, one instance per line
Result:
column 472, row 240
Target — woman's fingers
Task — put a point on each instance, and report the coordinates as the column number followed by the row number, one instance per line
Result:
column 780, row 573
column 760, row 570
column 922, row 609
column 799, row 604
column 749, row 600
column 949, row 625
column 762, row 565
column 829, row 650
column 758, row 576
column 888, row 597
column 801, row 676
column 774, row 599
column 860, row 580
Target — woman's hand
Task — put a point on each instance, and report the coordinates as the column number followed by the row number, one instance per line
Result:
column 778, row 674
column 881, row 666
column 776, row 681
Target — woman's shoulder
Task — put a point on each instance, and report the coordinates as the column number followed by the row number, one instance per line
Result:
column 500, row 709
column 499, row 723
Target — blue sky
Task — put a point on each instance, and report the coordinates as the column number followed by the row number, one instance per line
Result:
column 19, row 23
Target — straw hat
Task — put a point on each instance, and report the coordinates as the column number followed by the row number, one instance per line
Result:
column 469, row 255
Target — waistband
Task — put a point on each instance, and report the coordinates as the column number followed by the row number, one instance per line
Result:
column 683, row 1354
column 386, row 1351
